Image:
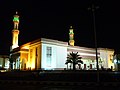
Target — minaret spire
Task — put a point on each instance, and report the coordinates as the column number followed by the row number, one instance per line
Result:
column 16, row 20
column 16, row 12
column 71, row 36
column 15, row 31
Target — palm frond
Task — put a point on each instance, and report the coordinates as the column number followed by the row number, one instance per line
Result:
column 74, row 58
column 80, row 61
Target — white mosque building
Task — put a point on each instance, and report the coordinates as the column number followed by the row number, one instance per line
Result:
column 50, row 54
column 46, row 53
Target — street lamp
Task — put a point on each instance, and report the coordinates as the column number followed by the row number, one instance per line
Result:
column 93, row 12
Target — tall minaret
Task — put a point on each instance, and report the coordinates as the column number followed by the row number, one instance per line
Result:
column 71, row 36
column 15, row 31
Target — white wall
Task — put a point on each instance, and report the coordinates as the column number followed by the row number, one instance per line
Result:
column 6, row 62
column 61, row 57
column 105, row 56
column 59, row 54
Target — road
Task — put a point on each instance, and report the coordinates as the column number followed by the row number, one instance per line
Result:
column 56, row 85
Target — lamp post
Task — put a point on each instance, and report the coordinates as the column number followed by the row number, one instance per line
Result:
column 95, row 37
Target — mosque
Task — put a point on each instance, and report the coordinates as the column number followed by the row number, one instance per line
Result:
column 49, row 54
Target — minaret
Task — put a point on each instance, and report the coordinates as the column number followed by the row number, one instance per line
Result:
column 71, row 36
column 15, row 31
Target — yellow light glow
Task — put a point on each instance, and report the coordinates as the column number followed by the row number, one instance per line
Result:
column 28, row 64
column 71, row 42
column 32, row 67
column 25, row 47
column 14, row 46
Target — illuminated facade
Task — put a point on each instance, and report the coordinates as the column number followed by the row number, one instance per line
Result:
column 51, row 54
column 40, row 54
column 4, row 61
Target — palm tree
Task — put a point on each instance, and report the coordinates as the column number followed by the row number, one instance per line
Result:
column 74, row 58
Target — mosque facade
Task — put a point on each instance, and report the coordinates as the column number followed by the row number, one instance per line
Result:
column 49, row 54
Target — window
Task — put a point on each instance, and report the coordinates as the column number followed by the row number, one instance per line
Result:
column 49, row 56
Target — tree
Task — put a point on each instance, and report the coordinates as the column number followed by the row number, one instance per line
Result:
column 74, row 58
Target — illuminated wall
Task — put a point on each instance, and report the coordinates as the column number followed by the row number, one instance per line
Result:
column 4, row 61
column 23, row 60
column 61, row 56
column 34, row 59
column 106, row 56
column 54, row 54
column 88, row 56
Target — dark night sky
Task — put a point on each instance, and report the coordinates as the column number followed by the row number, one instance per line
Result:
column 52, row 18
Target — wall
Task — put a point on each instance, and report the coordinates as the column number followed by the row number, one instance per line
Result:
column 4, row 61
column 106, row 56
column 59, row 54
column 34, row 58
